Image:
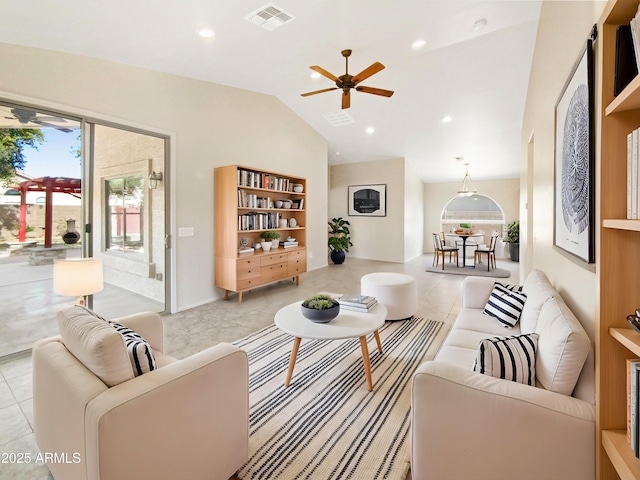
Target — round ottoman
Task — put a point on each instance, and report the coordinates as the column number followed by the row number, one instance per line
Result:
column 396, row 291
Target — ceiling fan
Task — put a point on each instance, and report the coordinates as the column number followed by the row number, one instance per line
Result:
column 25, row 117
column 346, row 82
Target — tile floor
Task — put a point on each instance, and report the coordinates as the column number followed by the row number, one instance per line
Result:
column 195, row 329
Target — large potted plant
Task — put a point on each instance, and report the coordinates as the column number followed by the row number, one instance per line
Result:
column 513, row 238
column 339, row 241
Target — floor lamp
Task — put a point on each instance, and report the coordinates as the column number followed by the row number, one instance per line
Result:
column 78, row 277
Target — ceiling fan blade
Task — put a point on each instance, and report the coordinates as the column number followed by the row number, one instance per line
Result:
column 375, row 91
column 51, row 125
column 322, row 71
column 346, row 99
column 367, row 72
column 318, row 91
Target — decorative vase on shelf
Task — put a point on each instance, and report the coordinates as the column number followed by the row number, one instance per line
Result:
column 293, row 223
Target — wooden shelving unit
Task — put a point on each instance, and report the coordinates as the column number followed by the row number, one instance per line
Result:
column 239, row 272
column 618, row 252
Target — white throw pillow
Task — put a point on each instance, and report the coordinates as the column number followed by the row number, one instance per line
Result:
column 96, row 344
column 505, row 305
column 510, row 358
column 563, row 347
column 538, row 290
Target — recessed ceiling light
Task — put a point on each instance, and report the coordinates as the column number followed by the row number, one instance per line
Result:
column 418, row 43
column 370, row 130
column 446, row 119
column 337, row 153
column 315, row 75
column 206, row 33
column 480, row 24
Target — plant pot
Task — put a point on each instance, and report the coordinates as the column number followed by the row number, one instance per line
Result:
column 320, row 316
column 338, row 257
column 514, row 252
column 266, row 246
column 275, row 243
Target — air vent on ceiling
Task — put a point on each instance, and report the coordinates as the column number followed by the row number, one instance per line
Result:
column 338, row 118
column 269, row 17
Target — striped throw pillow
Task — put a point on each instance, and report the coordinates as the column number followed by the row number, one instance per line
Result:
column 140, row 352
column 510, row 358
column 511, row 287
column 505, row 305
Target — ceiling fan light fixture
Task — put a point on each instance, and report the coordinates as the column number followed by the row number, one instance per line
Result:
column 468, row 188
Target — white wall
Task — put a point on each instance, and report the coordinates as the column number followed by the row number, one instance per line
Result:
column 505, row 193
column 562, row 34
column 413, row 213
column 211, row 125
column 374, row 238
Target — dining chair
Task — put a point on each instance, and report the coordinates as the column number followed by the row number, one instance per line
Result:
column 490, row 251
column 440, row 249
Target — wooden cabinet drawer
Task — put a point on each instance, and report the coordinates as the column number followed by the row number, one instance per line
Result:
column 274, row 272
column 297, row 267
column 298, row 255
column 273, row 259
column 248, row 270
column 297, row 262
column 247, row 283
column 248, row 262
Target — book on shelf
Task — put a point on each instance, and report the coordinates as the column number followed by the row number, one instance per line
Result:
column 626, row 66
column 631, row 390
column 633, row 403
column 266, row 181
column 633, row 175
column 288, row 244
column 361, row 301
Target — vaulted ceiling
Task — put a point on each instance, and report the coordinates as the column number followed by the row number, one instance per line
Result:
column 475, row 75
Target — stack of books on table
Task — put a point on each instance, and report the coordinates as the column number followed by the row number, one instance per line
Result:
column 357, row 303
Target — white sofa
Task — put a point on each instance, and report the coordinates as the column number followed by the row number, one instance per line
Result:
column 188, row 418
column 467, row 425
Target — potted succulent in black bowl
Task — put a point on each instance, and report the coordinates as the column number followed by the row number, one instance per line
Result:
column 320, row 308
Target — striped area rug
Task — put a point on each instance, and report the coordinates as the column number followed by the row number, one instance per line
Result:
column 326, row 424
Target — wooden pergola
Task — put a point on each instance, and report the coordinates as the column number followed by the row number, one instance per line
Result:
column 48, row 185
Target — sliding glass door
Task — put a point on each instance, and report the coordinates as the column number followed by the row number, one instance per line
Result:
column 78, row 188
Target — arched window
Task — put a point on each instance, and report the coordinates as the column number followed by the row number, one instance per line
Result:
column 475, row 208
column 482, row 212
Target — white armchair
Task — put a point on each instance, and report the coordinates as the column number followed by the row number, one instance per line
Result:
column 186, row 419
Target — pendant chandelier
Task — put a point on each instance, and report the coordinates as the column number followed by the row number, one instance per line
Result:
column 467, row 189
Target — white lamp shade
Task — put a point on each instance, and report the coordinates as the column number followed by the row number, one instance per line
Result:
column 77, row 277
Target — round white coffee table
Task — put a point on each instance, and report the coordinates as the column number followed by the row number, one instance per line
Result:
column 348, row 324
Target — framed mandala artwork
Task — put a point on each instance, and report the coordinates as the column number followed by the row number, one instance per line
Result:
column 574, row 173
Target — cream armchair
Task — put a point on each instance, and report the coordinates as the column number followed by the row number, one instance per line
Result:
column 186, row 419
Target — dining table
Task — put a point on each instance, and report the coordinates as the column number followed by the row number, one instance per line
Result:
column 464, row 236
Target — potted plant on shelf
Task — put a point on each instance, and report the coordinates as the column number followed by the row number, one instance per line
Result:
column 270, row 239
column 321, row 308
column 339, row 241
column 513, row 238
